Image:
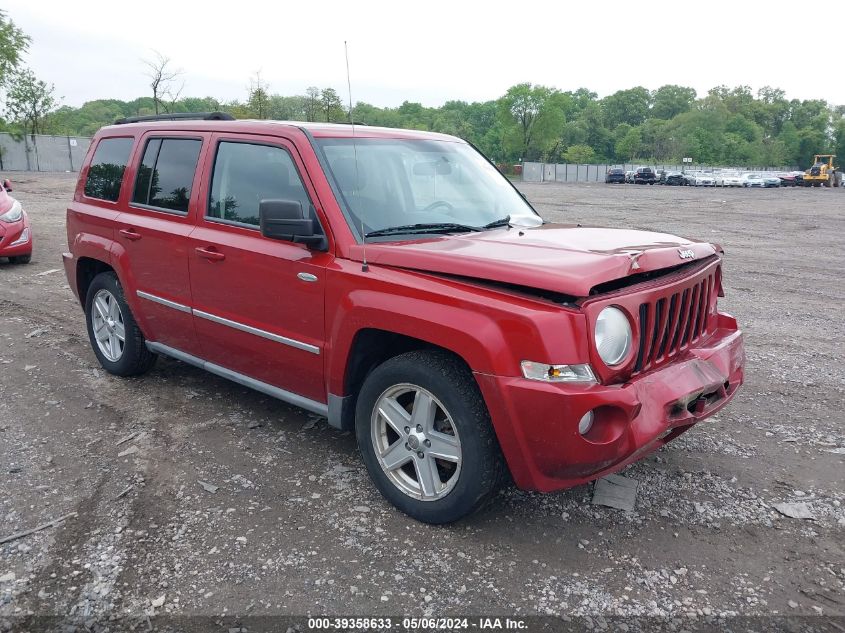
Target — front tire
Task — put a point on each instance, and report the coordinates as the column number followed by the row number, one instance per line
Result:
column 21, row 259
column 115, row 337
column 426, row 438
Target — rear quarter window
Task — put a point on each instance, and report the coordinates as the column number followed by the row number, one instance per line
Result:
column 105, row 174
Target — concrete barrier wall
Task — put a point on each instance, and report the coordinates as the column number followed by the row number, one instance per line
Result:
column 41, row 152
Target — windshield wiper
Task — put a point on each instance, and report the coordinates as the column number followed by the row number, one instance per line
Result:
column 505, row 221
column 431, row 227
column 438, row 227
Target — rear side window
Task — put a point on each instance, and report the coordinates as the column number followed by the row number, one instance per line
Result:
column 245, row 174
column 106, row 171
column 166, row 173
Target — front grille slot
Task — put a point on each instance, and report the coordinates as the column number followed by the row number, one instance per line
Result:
column 670, row 324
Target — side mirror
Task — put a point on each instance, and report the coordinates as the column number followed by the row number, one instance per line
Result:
column 7, row 184
column 284, row 220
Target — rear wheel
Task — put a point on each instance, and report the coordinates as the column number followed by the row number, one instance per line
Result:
column 115, row 337
column 425, row 436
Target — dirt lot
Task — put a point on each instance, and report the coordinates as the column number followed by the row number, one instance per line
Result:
column 295, row 526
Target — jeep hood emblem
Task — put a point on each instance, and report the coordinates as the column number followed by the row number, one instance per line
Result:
column 686, row 253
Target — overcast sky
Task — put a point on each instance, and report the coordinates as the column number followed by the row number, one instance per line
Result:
column 431, row 51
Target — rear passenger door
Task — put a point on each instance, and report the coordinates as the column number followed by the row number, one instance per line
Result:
column 258, row 302
column 152, row 234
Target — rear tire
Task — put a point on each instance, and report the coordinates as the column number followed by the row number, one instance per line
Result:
column 21, row 259
column 115, row 337
column 412, row 409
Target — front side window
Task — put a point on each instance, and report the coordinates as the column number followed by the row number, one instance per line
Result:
column 247, row 173
column 166, row 173
column 107, row 166
column 386, row 183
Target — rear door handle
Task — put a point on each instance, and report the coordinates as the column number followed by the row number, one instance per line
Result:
column 129, row 234
column 210, row 254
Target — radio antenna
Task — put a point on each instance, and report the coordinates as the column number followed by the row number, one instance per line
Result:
column 364, row 266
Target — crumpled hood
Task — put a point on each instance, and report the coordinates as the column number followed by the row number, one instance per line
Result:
column 559, row 258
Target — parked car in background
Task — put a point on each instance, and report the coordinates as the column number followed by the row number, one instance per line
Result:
column 753, row 180
column 644, row 176
column 615, row 175
column 729, row 179
column 629, row 176
column 771, row 180
column 15, row 230
column 689, row 177
column 703, row 180
column 661, row 176
column 789, row 179
column 674, row 178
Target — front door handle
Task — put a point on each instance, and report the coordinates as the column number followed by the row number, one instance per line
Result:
column 129, row 234
column 210, row 254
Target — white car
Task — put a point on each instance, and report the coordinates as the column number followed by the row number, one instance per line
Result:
column 729, row 179
column 704, row 180
column 753, row 180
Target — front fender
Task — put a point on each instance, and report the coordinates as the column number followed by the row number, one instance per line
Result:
column 491, row 331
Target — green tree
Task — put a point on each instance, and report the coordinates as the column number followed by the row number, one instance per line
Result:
column 29, row 100
column 630, row 145
column 579, row 154
column 312, row 103
column 258, row 101
column 331, row 107
column 670, row 100
column 532, row 118
column 13, row 45
column 627, row 106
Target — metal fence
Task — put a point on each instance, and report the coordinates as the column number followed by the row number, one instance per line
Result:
column 41, row 152
column 569, row 172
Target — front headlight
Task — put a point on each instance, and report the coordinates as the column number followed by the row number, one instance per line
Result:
column 14, row 214
column 613, row 336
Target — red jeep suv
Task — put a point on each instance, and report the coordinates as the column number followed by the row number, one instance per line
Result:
column 395, row 282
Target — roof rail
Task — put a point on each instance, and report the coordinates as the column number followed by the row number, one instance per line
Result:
column 178, row 116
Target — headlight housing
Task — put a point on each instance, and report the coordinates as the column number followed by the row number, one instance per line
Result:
column 613, row 336
column 14, row 214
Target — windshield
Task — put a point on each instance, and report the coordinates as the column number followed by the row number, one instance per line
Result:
column 385, row 183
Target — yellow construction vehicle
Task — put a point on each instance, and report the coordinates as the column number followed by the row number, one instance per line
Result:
column 823, row 172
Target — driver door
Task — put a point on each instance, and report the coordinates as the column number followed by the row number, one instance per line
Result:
column 258, row 302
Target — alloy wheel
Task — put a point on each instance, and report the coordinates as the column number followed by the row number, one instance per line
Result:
column 416, row 442
column 109, row 329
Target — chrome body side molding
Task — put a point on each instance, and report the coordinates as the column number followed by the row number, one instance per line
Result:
column 163, row 301
column 284, row 340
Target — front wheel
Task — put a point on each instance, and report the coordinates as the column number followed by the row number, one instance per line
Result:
column 21, row 259
column 115, row 337
column 425, row 436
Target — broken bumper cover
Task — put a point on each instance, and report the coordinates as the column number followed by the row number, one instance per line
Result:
column 537, row 423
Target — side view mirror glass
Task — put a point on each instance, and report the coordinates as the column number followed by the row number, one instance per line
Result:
column 7, row 184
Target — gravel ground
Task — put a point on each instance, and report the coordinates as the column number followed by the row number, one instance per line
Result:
column 290, row 523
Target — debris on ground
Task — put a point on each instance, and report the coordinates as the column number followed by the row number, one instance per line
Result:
column 799, row 510
column 616, row 491
column 129, row 451
column 208, row 487
column 38, row 528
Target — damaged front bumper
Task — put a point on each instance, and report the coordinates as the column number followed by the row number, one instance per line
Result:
column 537, row 423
